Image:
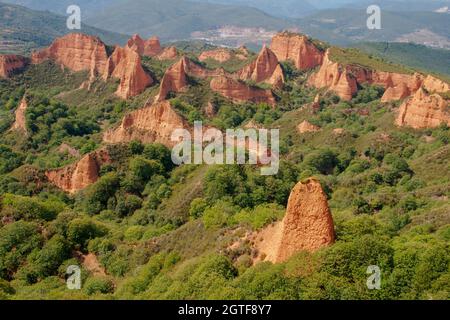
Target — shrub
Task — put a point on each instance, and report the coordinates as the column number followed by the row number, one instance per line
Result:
column 46, row 261
column 260, row 216
column 81, row 230
column 97, row 195
column 27, row 208
column 134, row 233
column 17, row 240
column 197, row 208
column 97, row 285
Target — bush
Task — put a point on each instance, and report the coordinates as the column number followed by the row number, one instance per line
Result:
column 17, row 240
column 45, row 262
column 99, row 285
column 81, row 230
column 134, row 233
column 97, row 195
column 197, row 208
column 218, row 216
column 260, row 216
column 27, row 208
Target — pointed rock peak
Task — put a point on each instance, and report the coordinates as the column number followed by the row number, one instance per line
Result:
column 137, row 44
column 125, row 64
column 307, row 226
column 81, row 174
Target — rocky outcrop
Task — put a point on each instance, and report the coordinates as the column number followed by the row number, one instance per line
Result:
column 11, row 63
column 125, row 64
column 81, row 174
column 174, row 80
column 345, row 79
column 152, row 47
column 424, row 110
column 265, row 68
column 20, row 122
column 77, row 52
column 306, row 127
column 336, row 78
column 137, row 44
column 240, row 92
column 307, row 226
column 298, row 49
column 169, row 53
column 398, row 86
column 223, row 55
column 176, row 77
column 435, row 85
column 150, row 124
column 220, row 55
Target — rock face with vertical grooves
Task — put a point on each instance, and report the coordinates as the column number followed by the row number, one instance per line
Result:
column 298, row 49
column 81, row 174
column 240, row 92
column 77, row 52
column 169, row 53
column 10, row 63
column 308, row 224
column 125, row 64
column 424, row 110
column 176, row 77
column 136, row 43
column 335, row 77
column 150, row 124
column 265, row 68
column 152, row 47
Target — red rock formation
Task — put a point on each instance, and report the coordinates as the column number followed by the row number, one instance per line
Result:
column 152, row 47
column 10, row 63
column 125, row 64
column 432, row 84
column 169, row 53
column 306, row 127
column 424, row 110
column 175, row 78
column 398, row 86
column 81, row 174
column 265, row 68
column 308, row 224
column 137, row 44
column 151, row 124
column 240, row 92
column 297, row 48
column 77, row 52
column 335, row 77
column 220, row 55
column 20, row 122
